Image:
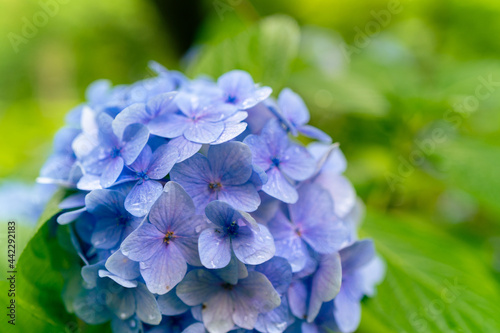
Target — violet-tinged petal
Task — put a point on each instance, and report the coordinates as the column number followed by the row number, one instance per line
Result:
column 293, row 107
column 70, row 216
column 122, row 266
column 298, row 297
column 357, row 255
column 279, row 187
column 195, row 328
column 171, row 305
column 214, row 248
column 314, row 133
column 232, row 161
column 288, row 243
column 297, row 163
column 233, row 126
column 104, row 203
column 243, row 197
column 174, row 206
column 164, row 270
column 134, row 139
column 134, row 114
column 147, row 307
column 341, row 190
column 335, row 160
column 347, row 312
column 277, row 320
column 73, row 201
column 373, row 273
column 162, row 161
column 121, row 281
column 143, row 243
column 278, row 271
column 185, row 147
column 142, row 161
column 112, row 172
column 325, row 284
column 253, row 247
column 187, row 233
column 203, row 131
column 142, row 196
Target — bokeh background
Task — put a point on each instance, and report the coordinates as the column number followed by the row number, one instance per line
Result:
column 410, row 90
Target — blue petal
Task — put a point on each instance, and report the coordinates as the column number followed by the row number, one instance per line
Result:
column 298, row 296
column 279, row 187
column 220, row 213
column 293, row 107
column 122, row 266
column 164, row 270
column 162, row 161
column 231, row 162
column 107, row 233
column 357, row 255
column 134, row 139
column 185, row 147
column 297, row 163
column 105, row 203
column 134, row 114
column 347, row 312
column 314, row 133
column 242, row 197
column 121, row 281
column 121, row 302
column 325, row 284
column 278, row 271
column 203, row 131
column 112, row 172
column 173, row 207
column 214, row 248
column 197, row 287
column 253, row 247
column 143, row 243
column 142, row 196
column 142, row 161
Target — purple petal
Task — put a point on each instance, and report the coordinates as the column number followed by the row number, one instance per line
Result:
column 242, row 197
column 142, row 196
column 121, row 281
column 162, row 104
column 170, row 125
column 325, row 285
column 134, row 114
column 314, row 133
column 232, row 161
column 334, row 159
column 278, row 271
column 253, row 247
column 143, row 243
column 195, row 328
column 185, row 147
column 293, row 107
column 202, row 131
column 164, row 270
column 142, row 161
column 277, row 320
column 260, row 152
column 233, row 126
column 162, row 161
column 112, row 172
column 297, row 298
column 347, row 312
column 220, row 213
column 357, row 255
column 134, row 139
column 288, row 243
column 172, row 209
column 122, row 266
column 341, row 190
column 279, row 187
column 214, row 248
column 298, row 163
column 318, row 225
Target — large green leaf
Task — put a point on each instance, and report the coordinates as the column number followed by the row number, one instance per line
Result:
column 40, row 280
column 434, row 282
column 265, row 50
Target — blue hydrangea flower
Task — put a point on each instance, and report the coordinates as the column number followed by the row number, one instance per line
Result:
column 238, row 89
column 312, row 224
column 225, row 305
column 167, row 241
column 293, row 113
column 113, row 222
column 233, row 231
column 114, row 152
column 146, row 171
column 225, row 175
column 282, row 160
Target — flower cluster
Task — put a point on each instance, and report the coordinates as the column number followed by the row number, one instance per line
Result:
column 197, row 209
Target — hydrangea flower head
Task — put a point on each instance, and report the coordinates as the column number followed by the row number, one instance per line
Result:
column 195, row 208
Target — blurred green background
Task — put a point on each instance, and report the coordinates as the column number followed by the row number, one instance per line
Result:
column 410, row 89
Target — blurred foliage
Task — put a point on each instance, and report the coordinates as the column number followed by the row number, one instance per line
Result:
column 408, row 104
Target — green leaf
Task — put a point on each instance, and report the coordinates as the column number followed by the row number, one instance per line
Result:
column 266, row 51
column 434, row 282
column 40, row 279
